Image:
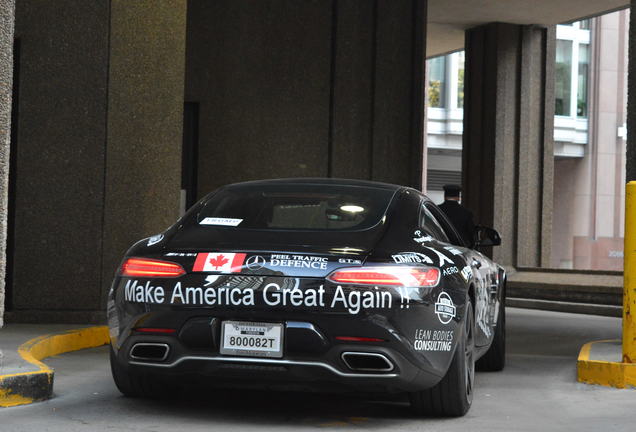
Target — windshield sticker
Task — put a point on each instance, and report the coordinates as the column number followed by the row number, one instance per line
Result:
column 433, row 340
column 155, row 239
column 221, row 221
column 444, row 308
column 219, row 262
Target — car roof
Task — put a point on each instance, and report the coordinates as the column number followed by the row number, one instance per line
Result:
column 319, row 181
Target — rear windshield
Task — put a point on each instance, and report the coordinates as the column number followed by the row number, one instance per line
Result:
column 296, row 207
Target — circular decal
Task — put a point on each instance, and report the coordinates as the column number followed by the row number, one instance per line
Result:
column 444, row 308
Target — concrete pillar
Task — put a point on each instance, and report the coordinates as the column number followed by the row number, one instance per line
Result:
column 7, row 10
column 508, row 151
column 59, row 159
column 99, row 146
column 142, row 177
column 290, row 88
column 378, row 91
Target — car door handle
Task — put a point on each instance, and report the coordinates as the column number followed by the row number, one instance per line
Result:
column 476, row 264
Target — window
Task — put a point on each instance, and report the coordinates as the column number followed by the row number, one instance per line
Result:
column 563, row 74
column 284, row 206
column 429, row 224
column 460, row 79
column 448, row 228
column 583, row 73
column 437, row 82
column 572, row 70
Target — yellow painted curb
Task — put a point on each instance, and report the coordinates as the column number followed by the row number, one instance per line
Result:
column 27, row 387
column 611, row 374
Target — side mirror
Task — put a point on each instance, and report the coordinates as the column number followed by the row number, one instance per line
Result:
column 486, row 236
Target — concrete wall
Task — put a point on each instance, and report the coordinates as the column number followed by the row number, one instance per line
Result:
column 297, row 88
column 7, row 8
column 591, row 190
column 60, row 154
column 99, row 146
column 286, row 88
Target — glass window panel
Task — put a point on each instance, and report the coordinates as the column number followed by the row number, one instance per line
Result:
column 436, row 82
column 460, row 79
column 563, row 77
column 581, row 93
column 584, row 24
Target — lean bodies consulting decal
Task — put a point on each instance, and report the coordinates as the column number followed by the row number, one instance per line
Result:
column 433, row 340
column 219, row 262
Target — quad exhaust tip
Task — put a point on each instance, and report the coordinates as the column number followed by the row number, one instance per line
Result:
column 149, row 351
column 367, row 362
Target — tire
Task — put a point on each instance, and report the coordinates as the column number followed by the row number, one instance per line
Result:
column 495, row 358
column 137, row 385
column 453, row 395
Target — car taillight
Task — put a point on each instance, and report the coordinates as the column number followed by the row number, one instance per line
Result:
column 387, row 275
column 146, row 267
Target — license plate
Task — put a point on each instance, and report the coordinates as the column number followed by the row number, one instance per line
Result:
column 252, row 339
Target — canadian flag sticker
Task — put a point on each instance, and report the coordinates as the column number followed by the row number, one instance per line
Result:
column 219, row 262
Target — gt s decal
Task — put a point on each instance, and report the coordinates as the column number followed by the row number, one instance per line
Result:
column 219, row 262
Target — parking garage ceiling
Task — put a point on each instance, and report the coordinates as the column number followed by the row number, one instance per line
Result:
column 447, row 19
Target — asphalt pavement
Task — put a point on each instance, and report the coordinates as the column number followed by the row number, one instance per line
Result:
column 536, row 391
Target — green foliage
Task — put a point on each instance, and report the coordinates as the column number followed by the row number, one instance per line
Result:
column 434, row 88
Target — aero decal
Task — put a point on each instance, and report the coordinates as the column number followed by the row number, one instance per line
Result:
column 219, row 262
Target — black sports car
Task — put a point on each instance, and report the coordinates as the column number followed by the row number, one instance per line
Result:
column 310, row 284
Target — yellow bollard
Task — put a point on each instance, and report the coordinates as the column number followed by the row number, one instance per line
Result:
column 629, row 276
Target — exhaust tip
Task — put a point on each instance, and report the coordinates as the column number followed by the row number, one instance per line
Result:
column 149, row 351
column 367, row 362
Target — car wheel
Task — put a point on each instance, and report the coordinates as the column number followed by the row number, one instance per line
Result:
column 495, row 358
column 137, row 385
column 453, row 395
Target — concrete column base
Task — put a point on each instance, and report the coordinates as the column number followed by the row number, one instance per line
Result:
column 600, row 363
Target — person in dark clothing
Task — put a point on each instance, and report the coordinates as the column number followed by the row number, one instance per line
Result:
column 459, row 215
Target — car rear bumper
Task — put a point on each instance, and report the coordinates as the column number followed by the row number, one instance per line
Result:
column 314, row 342
column 328, row 372
column 312, row 360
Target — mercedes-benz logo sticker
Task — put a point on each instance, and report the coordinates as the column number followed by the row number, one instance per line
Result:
column 255, row 262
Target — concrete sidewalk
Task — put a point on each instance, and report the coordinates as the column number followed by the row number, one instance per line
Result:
column 23, row 377
column 14, row 335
